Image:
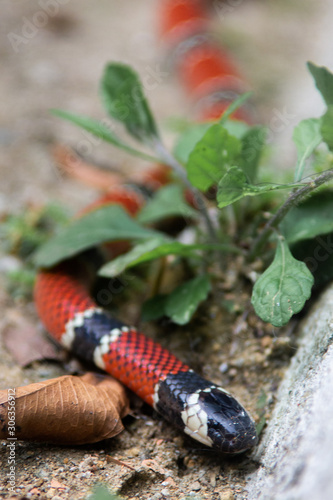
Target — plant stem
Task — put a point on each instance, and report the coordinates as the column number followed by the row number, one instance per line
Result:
column 169, row 160
column 294, row 198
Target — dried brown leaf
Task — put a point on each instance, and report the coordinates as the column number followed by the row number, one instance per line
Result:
column 65, row 410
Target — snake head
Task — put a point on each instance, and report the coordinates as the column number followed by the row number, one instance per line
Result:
column 205, row 412
column 215, row 418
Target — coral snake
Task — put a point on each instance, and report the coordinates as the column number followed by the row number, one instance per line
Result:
column 203, row 410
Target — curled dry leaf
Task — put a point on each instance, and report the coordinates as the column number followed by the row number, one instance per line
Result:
column 65, row 410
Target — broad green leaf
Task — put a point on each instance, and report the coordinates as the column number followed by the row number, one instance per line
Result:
column 309, row 219
column 194, row 133
column 99, row 129
column 108, row 223
column 154, row 308
column 237, row 103
column 231, row 187
column 234, row 185
column 134, row 256
column 184, row 300
column 327, row 127
column 124, row 100
column 324, row 81
column 283, row 288
column 168, row 201
column 306, row 137
column 180, row 304
column 153, row 249
column 188, row 139
column 252, row 145
column 236, row 128
column 211, row 157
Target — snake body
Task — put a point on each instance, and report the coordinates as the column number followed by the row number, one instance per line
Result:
column 200, row 408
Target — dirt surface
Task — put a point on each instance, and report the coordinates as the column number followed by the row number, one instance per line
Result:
column 52, row 55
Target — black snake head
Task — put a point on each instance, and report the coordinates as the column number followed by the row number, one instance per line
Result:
column 229, row 428
column 205, row 412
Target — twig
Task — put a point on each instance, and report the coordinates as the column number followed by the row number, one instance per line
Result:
column 294, row 198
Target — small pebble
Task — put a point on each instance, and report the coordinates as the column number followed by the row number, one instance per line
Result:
column 266, row 341
column 224, row 367
column 169, row 482
column 189, row 462
column 232, row 372
column 196, row 486
column 132, row 452
column 227, row 495
column 50, row 493
column 212, row 479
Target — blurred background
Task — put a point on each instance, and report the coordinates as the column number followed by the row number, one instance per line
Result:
column 52, row 54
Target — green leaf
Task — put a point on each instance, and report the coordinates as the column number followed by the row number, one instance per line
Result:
column 234, row 185
column 101, row 492
column 108, row 223
column 306, row 137
column 99, row 129
column 309, row 219
column 168, row 201
column 253, row 142
column 327, row 127
column 154, row 248
column 231, row 187
column 283, row 288
column 236, row 128
column 324, row 81
column 184, row 300
column 211, row 157
column 134, row 256
column 188, row 140
column 237, row 103
column 124, row 101
column 194, row 133
column 180, row 304
column 154, row 308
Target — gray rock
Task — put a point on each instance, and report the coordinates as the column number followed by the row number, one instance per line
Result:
column 296, row 452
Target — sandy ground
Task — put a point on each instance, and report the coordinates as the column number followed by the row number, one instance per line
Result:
column 52, row 55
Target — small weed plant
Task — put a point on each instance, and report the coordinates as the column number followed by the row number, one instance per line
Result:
column 291, row 239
